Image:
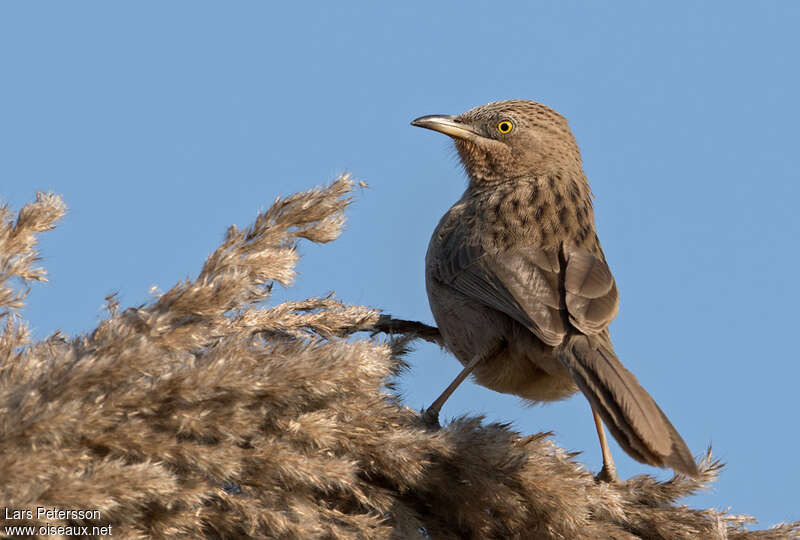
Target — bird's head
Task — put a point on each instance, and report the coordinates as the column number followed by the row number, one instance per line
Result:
column 508, row 140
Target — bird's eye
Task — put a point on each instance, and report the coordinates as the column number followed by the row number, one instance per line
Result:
column 505, row 127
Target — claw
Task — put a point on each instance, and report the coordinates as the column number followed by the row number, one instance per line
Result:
column 608, row 475
column 430, row 417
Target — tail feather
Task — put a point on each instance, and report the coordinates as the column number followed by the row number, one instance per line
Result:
column 631, row 415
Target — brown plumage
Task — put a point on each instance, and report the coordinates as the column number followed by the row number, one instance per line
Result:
column 519, row 285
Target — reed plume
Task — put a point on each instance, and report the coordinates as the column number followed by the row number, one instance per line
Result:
column 208, row 413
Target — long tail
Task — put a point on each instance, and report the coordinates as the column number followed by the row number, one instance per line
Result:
column 631, row 415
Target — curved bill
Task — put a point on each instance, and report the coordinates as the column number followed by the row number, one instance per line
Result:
column 447, row 125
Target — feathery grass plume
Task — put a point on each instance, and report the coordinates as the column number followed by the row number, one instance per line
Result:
column 17, row 258
column 206, row 414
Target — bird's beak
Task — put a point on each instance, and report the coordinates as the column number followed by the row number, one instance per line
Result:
column 447, row 125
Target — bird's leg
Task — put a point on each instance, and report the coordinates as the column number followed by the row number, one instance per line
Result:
column 609, row 471
column 431, row 415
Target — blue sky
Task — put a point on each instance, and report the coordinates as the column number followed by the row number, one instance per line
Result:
column 161, row 123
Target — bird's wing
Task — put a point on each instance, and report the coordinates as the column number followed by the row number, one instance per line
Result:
column 529, row 285
column 590, row 291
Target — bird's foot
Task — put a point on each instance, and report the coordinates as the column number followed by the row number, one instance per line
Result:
column 608, row 475
column 430, row 417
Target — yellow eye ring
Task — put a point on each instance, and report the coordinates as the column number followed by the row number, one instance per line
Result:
column 505, row 126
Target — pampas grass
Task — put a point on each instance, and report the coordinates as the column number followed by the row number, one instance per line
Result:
column 209, row 413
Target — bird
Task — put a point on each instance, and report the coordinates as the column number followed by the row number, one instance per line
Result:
column 519, row 285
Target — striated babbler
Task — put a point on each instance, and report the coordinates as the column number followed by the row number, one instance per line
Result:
column 519, row 286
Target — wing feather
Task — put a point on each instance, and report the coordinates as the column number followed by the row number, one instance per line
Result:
column 591, row 293
column 533, row 286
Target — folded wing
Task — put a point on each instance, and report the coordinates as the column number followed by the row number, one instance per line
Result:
column 547, row 291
